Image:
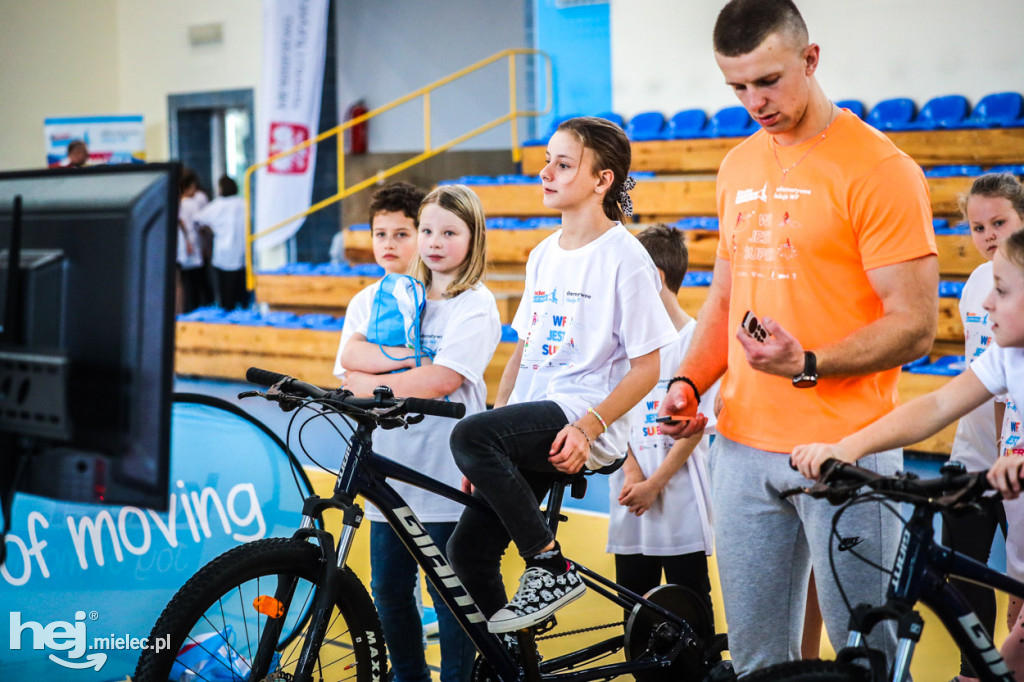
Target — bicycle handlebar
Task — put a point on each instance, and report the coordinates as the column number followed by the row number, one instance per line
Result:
column 839, row 481
column 290, row 385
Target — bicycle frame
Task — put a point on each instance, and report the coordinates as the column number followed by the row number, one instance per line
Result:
column 919, row 574
column 363, row 473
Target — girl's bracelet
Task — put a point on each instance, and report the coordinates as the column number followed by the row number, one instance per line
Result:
column 579, row 428
column 604, row 424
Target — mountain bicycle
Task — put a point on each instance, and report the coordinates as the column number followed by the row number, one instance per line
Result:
column 919, row 573
column 292, row 609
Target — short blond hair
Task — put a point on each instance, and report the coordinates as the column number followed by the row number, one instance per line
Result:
column 465, row 204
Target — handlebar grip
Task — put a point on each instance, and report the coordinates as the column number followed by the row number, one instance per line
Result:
column 438, row 408
column 263, row 377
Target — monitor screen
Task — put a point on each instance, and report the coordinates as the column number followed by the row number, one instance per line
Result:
column 86, row 347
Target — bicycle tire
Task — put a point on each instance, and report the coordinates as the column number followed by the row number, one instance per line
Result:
column 217, row 603
column 810, row 671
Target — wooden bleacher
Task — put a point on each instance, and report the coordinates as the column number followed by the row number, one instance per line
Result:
column 226, row 351
column 672, row 198
column 985, row 147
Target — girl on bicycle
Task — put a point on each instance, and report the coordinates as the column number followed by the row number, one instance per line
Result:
column 590, row 325
column 999, row 370
column 460, row 330
column 993, row 209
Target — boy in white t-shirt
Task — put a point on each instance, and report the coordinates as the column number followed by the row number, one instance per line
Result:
column 660, row 498
column 393, row 224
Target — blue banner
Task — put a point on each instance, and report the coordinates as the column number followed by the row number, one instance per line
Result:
column 84, row 584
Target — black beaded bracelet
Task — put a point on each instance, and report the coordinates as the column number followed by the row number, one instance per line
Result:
column 688, row 382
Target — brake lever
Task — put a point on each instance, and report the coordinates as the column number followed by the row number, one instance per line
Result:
column 794, row 491
column 388, row 423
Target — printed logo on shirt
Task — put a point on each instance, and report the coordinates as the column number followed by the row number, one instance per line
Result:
column 977, row 318
column 649, row 428
column 789, row 223
column 543, row 296
column 575, row 296
column 1011, row 431
column 746, row 195
column 790, row 193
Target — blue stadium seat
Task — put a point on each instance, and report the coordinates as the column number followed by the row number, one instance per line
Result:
column 609, row 116
column 892, row 114
column 855, row 106
column 1013, row 169
column 645, row 126
column 947, row 111
column 686, row 124
column 1000, row 109
column 731, row 122
column 961, row 171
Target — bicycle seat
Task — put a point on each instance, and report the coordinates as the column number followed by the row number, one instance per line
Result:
column 577, row 484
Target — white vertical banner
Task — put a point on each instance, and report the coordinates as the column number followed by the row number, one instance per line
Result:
column 294, row 50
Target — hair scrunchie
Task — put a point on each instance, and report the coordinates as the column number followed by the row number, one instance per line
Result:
column 624, row 201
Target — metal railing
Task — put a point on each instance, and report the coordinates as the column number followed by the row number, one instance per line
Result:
column 429, row 150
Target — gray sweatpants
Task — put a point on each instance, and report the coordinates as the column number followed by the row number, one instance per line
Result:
column 765, row 548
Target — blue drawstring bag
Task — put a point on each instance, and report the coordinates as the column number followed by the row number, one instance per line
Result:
column 397, row 314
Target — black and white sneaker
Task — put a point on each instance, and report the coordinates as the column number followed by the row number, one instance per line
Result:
column 540, row 594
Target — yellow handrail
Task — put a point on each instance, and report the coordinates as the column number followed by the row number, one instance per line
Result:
column 429, row 150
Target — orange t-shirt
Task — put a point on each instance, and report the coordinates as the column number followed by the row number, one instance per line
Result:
column 799, row 247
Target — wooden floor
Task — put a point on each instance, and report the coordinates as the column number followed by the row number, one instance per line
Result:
column 583, row 539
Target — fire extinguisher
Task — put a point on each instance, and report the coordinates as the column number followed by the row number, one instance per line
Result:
column 357, row 133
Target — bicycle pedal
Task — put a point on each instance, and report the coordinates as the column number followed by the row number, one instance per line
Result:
column 547, row 625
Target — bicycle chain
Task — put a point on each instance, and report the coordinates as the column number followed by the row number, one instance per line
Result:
column 580, row 631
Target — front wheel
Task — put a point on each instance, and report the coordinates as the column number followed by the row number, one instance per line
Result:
column 213, row 626
column 810, row 671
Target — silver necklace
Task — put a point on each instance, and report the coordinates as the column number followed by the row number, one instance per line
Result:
column 775, row 146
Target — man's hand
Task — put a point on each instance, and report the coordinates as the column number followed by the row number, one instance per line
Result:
column 780, row 354
column 680, row 402
column 570, row 450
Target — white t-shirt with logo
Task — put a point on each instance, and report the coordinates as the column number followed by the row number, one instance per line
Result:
column 463, row 332
column 357, row 318
column 1013, row 445
column 225, row 216
column 679, row 521
column 585, row 312
column 1001, row 370
column 975, row 441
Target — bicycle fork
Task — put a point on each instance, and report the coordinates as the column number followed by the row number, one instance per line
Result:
column 323, row 602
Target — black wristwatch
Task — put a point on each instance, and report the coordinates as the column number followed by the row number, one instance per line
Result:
column 808, row 378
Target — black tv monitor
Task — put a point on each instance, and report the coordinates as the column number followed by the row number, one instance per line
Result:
column 86, row 349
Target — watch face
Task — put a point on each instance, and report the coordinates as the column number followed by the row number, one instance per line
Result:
column 805, row 381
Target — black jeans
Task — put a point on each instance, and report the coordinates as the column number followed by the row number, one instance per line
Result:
column 231, row 289
column 504, row 453
column 972, row 534
column 640, row 573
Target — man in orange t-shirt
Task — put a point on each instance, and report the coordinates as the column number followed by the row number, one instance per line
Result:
column 825, row 234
